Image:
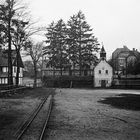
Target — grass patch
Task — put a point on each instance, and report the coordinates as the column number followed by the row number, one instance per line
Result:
column 123, row 101
column 32, row 93
column 6, row 119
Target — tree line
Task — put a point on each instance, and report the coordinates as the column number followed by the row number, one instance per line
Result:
column 68, row 45
column 71, row 45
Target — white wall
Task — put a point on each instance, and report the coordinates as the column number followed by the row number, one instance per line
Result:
column 4, row 80
column 20, row 75
column 103, row 66
column 5, row 69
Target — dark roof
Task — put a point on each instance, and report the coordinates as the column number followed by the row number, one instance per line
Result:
column 102, row 50
column 4, row 58
column 130, row 53
column 118, row 51
column 20, row 62
column 137, row 54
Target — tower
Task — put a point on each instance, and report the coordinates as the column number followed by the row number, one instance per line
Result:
column 103, row 53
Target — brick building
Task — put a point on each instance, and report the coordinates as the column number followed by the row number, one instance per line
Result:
column 122, row 57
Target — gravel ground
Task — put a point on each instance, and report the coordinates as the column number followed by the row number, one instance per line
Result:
column 80, row 114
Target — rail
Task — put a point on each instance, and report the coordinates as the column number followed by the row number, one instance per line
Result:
column 23, row 128
column 46, row 121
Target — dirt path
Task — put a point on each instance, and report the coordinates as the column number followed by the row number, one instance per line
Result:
column 78, row 115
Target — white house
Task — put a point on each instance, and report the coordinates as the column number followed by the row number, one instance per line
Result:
column 4, row 68
column 103, row 72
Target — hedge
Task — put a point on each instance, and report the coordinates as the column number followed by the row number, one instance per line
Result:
column 68, row 81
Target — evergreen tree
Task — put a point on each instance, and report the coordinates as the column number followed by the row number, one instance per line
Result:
column 72, row 45
column 50, row 49
column 81, row 41
column 56, row 45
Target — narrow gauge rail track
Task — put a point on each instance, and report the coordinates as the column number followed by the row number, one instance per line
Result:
column 46, row 121
column 25, row 126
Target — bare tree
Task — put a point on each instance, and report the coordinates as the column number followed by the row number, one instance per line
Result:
column 35, row 52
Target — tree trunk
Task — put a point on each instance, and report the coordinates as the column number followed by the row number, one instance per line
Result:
column 70, row 71
column 80, row 68
column 35, row 74
column 73, row 69
column 53, row 71
column 60, row 59
column 80, row 65
column 18, row 68
column 10, row 68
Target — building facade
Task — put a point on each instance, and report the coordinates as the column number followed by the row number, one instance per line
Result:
column 103, row 72
column 4, row 68
column 122, row 58
column 67, row 70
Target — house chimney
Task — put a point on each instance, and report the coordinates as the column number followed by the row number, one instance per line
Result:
column 124, row 46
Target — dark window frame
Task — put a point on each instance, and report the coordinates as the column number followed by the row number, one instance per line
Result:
column 106, row 71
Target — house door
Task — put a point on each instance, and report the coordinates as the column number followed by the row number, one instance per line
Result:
column 103, row 83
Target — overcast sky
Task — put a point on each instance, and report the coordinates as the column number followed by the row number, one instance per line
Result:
column 114, row 22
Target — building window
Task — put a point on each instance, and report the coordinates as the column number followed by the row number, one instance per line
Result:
column 6, row 81
column 14, row 69
column 106, row 71
column 0, row 69
column 3, row 80
column 99, row 71
column 5, row 69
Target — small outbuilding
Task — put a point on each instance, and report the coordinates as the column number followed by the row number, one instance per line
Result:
column 103, row 72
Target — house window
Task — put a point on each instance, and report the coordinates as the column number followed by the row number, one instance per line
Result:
column 14, row 69
column 5, row 69
column 0, row 69
column 106, row 71
column 3, row 80
column 99, row 71
column 6, row 81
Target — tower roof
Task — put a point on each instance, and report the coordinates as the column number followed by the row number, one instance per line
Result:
column 103, row 50
column 103, row 53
